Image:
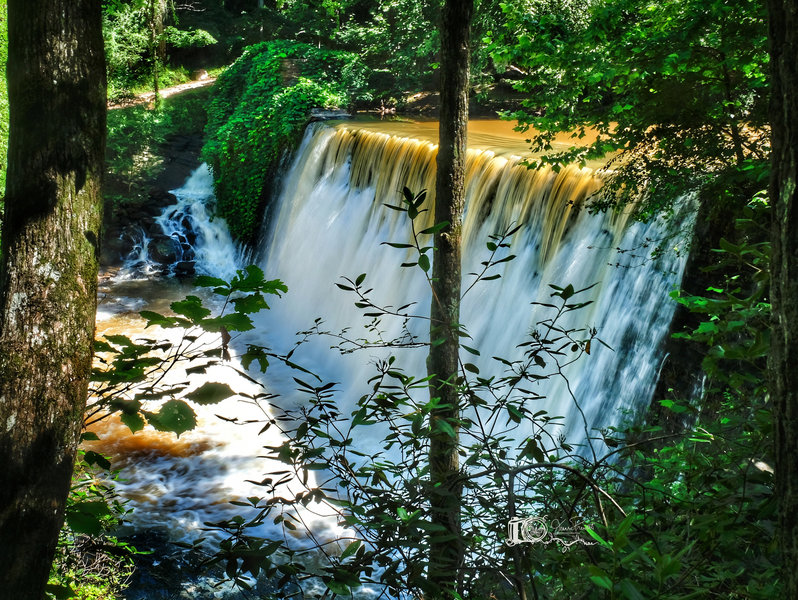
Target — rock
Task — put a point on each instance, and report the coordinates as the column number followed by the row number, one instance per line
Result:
column 318, row 114
column 185, row 268
column 165, row 572
column 159, row 198
column 162, row 250
column 199, row 75
column 187, row 252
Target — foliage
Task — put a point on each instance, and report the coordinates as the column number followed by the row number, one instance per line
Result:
column 135, row 134
column 705, row 513
column 397, row 38
column 130, row 377
column 90, row 563
column 128, row 32
column 178, row 38
column 259, row 109
column 674, row 92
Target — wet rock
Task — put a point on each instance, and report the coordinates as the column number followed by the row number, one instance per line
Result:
column 162, row 250
column 184, row 268
column 159, row 198
column 167, row 572
column 188, row 252
column 318, row 114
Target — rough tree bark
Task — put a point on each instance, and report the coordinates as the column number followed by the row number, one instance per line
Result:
column 783, row 33
column 48, row 273
column 446, row 550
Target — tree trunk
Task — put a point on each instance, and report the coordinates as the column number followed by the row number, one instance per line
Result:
column 157, row 45
column 48, row 273
column 783, row 32
column 446, row 550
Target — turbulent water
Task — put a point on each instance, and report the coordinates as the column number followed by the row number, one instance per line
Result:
column 330, row 221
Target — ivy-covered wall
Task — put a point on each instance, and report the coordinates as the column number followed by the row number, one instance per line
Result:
column 259, row 109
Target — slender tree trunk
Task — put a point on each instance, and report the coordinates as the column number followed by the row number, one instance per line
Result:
column 48, row 273
column 157, row 45
column 446, row 550
column 783, row 32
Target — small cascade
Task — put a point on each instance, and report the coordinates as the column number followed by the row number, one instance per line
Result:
column 178, row 484
column 185, row 239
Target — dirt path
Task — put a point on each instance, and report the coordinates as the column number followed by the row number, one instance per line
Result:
column 148, row 97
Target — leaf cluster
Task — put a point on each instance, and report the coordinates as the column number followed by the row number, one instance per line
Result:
column 130, row 378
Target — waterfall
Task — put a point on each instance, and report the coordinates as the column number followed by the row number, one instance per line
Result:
column 330, row 221
column 188, row 239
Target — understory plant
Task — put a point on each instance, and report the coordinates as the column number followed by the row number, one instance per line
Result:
column 633, row 512
column 91, row 563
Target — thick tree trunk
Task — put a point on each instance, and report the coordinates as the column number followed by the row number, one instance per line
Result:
column 48, row 274
column 446, row 550
column 783, row 32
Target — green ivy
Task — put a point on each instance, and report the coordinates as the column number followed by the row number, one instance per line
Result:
column 257, row 113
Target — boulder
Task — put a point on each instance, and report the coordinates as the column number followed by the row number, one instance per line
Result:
column 161, row 250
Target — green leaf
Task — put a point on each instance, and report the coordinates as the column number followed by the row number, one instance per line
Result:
column 423, row 262
column 86, row 517
column 250, row 304
column 175, row 416
column 94, row 458
column 134, row 421
column 154, row 318
column 602, row 581
column 191, row 308
column 444, row 426
column 351, row 549
column 435, row 228
column 630, row 590
column 210, row 393
column 206, row 281
column 60, row 592
column 231, row 322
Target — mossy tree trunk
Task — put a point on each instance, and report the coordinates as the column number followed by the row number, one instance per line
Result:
column 783, row 365
column 48, row 273
column 446, row 549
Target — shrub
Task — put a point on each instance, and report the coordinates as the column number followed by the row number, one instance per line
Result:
column 260, row 106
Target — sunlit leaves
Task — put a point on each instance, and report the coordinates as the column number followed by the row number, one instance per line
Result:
column 175, row 416
column 129, row 378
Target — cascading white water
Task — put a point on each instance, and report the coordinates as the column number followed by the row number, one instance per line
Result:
column 200, row 238
column 330, row 221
